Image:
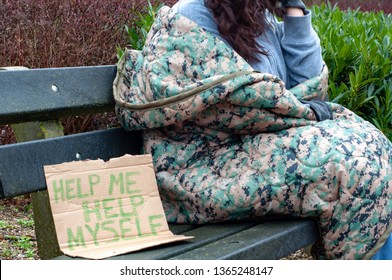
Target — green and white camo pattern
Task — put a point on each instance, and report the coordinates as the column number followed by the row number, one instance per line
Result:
column 247, row 147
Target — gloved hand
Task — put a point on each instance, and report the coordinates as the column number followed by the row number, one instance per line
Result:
column 320, row 108
column 293, row 4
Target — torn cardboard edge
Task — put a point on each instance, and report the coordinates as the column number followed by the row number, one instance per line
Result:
column 102, row 209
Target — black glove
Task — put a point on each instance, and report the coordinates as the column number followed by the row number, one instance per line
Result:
column 320, row 108
column 293, row 4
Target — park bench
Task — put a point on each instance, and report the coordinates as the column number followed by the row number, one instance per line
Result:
column 33, row 101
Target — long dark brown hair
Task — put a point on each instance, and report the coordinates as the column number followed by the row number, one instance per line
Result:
column 240, row 22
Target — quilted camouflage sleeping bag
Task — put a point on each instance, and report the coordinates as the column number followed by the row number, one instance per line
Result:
column 231, row 143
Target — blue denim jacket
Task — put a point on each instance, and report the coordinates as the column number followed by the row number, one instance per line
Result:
column 294, row 52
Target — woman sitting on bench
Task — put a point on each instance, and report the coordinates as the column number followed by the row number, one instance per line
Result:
column 231, row 104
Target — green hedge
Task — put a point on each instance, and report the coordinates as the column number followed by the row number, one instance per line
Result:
column 357, row 49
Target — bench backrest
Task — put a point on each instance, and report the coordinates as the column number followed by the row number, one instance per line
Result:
column 21, row 165
column 52, row 93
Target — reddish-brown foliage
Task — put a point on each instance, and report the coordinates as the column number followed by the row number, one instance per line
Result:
column 47, row 33
column 363, row 5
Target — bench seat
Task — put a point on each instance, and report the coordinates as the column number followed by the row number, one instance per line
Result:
column 232, row 241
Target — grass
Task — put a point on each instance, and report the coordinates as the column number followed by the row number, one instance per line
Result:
column 25, row 223
column 5, row 225
column 17, row 236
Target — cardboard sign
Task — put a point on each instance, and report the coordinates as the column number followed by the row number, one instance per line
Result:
column 103, row 209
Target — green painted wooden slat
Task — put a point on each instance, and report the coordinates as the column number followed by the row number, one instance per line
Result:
column 180, row 229
column 203, row 235
column 269, row 240
column 52, row 93
column 26, row 175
